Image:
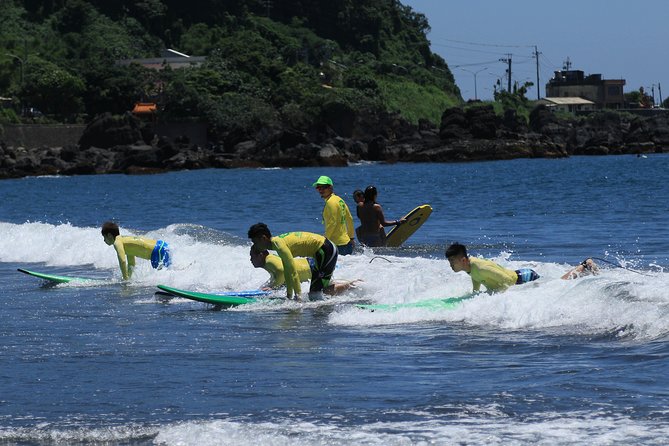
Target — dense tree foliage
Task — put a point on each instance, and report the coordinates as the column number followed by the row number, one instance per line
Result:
column 285, row 61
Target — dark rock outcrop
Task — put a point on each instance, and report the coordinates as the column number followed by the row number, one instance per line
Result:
column 107, row 131
column 122, row 144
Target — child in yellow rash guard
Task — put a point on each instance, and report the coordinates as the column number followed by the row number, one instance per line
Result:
column 274, row 266
column 485, row 272
column 129, row 247
column 494, row 277
column 298, row 244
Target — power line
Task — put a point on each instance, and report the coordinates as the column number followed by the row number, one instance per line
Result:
column 473, row 64
column 465, row 49
column 497, row 45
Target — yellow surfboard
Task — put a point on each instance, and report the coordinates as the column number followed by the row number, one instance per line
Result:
column 415, row 220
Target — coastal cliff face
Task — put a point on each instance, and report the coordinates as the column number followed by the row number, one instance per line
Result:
column 122, row 144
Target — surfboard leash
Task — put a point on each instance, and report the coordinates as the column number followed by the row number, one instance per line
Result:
column 617, row 265
column 379, row 257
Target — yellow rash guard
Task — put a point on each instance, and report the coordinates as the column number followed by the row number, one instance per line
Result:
column 338, row 221
column 274, row 267
column 291, row 245
column 494, row 277
column 129, row 247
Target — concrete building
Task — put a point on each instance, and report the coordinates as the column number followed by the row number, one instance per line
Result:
column 168, row 57
column 604, row 93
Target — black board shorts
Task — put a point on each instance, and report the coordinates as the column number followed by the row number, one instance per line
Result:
column 325, row 261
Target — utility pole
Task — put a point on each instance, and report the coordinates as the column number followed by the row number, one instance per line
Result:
column 659, row 90
column 652, row 93
column 536, row 54
column 268, row 4
column 508, row 70
column 474, row 73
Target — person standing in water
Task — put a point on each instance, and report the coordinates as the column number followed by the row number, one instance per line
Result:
column 336, row 217
column 371, row 231
column 358, row 197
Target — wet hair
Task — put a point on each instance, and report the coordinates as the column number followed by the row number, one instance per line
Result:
column 257, row 255
column 370, row 194
column 358, row 193
column 109, row 227
column 259, row 229
column 456, row 250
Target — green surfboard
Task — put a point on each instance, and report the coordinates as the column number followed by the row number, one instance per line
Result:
column 232, row 299
column 58, row 279
column 448, row 303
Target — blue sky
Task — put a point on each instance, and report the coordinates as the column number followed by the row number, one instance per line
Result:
column 620, row 39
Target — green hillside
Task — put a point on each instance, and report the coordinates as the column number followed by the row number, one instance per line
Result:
column 266, row 61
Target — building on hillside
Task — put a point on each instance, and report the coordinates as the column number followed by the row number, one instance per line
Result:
column 567, row 104
column 604, row 93
column 145, row 111
column 168, row 58
column 6, row 102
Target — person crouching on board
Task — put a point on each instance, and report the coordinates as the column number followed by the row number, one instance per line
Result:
column 585, row 268
column 298, row 244
column 129, row 247
column 273, row 265
column 486, row 272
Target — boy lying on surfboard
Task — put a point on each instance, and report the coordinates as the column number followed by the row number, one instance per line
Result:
column 486, row 272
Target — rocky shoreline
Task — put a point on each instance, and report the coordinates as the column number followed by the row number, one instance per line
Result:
column 113, row 144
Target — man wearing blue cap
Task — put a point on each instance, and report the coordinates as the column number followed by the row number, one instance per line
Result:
column 336, row 217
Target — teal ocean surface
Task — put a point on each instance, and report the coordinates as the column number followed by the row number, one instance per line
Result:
column 553, row 362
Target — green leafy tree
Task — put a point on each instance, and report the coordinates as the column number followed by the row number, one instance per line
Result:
column 52, row 90
column 115, row 89
column 633, row 97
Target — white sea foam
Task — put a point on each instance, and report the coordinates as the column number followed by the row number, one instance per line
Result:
column 467, row 425
column 616, row 303
column 543, row 429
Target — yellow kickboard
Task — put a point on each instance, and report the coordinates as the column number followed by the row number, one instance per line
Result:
column 415, row 219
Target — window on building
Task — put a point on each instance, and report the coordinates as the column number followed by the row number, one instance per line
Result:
column 613, row 90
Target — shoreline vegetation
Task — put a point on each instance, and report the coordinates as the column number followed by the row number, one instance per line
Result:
column 304, row 83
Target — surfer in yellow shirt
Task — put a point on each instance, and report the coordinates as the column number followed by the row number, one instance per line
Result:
column 274, row 266
column 129, row 247
column 486, row 272
column 336, row 217
column 298, row 244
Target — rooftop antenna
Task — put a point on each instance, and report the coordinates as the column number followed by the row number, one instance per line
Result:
column 566, row 64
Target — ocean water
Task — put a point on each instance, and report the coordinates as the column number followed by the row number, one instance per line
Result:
column 553, row 362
